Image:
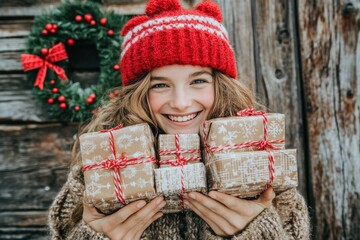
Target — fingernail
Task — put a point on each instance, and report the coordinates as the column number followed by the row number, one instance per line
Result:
column 159, row 200
column 212, row 195
column 192, row 196
column 141, row 204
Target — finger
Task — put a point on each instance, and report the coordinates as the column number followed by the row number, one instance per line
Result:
column 210, row 222
column 266, row 198
column 217, row 213
column 124, row 213
column 229, row 201
column 90, row 213
column 140, row 218
column 153, row 219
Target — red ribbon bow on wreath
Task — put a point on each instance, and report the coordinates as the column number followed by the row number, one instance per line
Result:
column 56, row 53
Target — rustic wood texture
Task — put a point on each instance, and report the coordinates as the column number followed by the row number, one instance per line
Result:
column 330, row 50
column 34, row 165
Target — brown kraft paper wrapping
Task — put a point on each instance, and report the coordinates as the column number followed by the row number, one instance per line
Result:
column 237, row 130
column 245, row 174
column 137, row 181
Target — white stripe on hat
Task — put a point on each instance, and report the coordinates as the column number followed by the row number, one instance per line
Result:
column 129, row 42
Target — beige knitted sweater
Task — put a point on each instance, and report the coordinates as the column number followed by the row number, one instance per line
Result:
column 286, row 219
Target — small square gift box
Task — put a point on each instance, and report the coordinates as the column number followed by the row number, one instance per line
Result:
column 180, row 169
column 118, row 166
column 247, row 174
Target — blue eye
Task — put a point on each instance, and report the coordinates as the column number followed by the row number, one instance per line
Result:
column 199, row 81
column 159, row 85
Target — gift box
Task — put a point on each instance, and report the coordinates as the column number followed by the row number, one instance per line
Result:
column 187, row 146
column 242, row 133
column 179, row 179
column 246, row 174
column 109, row 183
column 180, row 169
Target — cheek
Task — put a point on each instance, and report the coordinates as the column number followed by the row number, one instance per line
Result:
column 155, row 103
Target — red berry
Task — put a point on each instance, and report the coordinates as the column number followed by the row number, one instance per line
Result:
column 117, row 92
column 78, row 18
column 44, row 32
column 70, row 41
column 62, row 105
column 53, row 30
column 48, row 26
column 52, row 81
column 92, row 23
column 103, row 21
column 88, row 17
column 44, row 51
column 61, row 98
column 55, row 90
column 51, row 101
column 90, row 100
column 92, row 96
column 116, row 67
column 77, row 108
column 55, row 26
column 111, row 95
column 110, row 33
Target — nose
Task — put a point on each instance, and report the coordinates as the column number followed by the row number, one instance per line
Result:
column 181, row 99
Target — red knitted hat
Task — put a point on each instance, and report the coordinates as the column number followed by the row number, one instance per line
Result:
column 168, row 35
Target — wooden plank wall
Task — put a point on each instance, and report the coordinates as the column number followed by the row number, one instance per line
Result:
column 300, row 56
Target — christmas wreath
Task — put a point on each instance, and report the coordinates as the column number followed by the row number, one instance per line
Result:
column 47, row 60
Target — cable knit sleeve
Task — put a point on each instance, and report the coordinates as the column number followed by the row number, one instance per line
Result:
column 287, row 219
column 61, row 223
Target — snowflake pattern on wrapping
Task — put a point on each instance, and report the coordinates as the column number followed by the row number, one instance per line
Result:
column 246, row 174
column 137, row 181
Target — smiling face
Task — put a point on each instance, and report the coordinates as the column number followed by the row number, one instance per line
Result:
column 180, row 97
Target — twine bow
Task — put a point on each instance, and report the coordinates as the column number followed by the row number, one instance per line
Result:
column 56, row 53
column 117, row 163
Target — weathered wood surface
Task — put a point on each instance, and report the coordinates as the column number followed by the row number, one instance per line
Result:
column 263, row 35
column 330, row 50
column 34, row 165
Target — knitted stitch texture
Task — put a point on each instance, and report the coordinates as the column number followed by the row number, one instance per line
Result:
column 286, row 219
column 168, row 35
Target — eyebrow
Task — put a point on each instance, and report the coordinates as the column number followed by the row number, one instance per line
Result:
column 195, row 74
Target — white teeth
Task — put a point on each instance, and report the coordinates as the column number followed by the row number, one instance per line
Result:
column 182, row 118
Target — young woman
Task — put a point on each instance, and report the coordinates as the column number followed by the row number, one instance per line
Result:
column 178, row 70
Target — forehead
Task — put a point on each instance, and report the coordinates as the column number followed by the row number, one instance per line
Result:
column 178, row 70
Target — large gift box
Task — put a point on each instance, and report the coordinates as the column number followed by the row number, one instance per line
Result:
column 235, row 134
column 109, row 183
column 246, row 174
column 245, row 153
column 180, row 169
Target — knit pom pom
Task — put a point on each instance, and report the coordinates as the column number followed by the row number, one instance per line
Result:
column 133, row 23
column 211, row 9
column 155, row 7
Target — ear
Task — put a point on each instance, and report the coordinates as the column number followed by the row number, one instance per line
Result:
column 211, row 9
column 155, row 7
column 132, row 23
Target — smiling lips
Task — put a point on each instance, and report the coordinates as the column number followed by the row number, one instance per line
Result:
column 182, row 118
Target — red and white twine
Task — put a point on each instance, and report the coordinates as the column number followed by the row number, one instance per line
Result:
column 180, row 161
column 116, row 164
column 259, row 145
